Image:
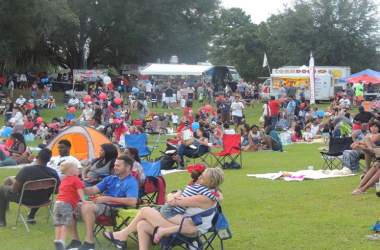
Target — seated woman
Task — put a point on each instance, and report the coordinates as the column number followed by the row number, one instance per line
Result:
column 102, row 166
column 369, row 179
column 17, row 152
column 369, row 142
column 150, row 223
column 193, row 147
column 137, row 169
column 272, row 140
column 255, row 136
column 297, row 134
column 245, row 142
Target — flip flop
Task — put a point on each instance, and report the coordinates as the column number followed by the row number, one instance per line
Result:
column 118, row 243
column 154, row 237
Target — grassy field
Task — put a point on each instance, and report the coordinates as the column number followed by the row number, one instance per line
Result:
column 263, row 214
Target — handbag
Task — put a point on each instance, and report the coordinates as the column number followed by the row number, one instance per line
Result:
column 222, row 227
column 376, row 227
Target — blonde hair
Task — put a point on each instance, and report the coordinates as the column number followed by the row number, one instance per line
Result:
column 215, row 177
column 66, row 166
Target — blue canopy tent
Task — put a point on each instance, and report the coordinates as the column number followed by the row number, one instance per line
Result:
column 368, row 72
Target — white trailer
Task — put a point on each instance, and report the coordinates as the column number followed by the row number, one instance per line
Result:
column 296, row 79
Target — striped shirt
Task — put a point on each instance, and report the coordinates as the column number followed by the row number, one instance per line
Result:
column 196, row 189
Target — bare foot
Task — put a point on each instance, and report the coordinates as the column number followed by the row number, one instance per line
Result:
column 357, row 192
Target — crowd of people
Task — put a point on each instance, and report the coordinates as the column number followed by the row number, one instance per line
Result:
column 122, row 111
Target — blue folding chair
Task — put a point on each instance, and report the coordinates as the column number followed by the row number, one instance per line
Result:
column 202, row 241
column 140, row 142
column 154, row 189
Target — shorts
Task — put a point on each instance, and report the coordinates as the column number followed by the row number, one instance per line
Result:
column 168, row 211
column 63, row 213
column 237, row 119
column 101, row 209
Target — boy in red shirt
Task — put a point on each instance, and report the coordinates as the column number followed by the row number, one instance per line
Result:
column 69, row 194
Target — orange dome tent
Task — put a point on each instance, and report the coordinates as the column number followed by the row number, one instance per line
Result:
column 85, row 142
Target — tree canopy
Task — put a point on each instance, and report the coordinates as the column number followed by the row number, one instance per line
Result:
column 36, row 34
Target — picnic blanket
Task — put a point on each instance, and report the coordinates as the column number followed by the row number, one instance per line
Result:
column 304, row 175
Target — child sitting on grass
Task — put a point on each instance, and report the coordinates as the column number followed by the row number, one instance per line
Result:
column 69, row 194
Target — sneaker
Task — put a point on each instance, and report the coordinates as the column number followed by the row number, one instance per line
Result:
column 31, row 221
column 373, row 237
column 74, row 245
column 59, row 245
column 3, row 224
column 87, row 246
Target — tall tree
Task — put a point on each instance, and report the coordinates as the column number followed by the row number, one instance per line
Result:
column 237, row 44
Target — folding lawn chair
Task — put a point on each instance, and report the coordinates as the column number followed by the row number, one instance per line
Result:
column 203, row 157
column 333, row 157
column 231, row 150
column 140, row 142
column 154, row 188
column 119, row 218
column 48, row 185
column 219, row 228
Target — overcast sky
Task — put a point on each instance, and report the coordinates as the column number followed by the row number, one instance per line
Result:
column 260, row 10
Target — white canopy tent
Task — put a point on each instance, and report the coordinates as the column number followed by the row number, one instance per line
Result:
column 175, row 69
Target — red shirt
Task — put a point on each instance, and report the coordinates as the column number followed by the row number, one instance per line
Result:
column 68, row 190
column 274, row 107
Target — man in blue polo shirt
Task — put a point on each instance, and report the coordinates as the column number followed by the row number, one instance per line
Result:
column 120, row 189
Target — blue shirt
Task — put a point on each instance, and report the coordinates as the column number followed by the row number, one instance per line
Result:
column 120, row 188
column 277, row 146
column 291, row 106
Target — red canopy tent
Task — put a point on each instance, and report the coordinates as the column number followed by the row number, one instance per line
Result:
column 365, row 79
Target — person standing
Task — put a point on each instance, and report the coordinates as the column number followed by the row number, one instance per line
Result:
column 274, row 110
column 237, row 108
column 290, row 110
column 359, row 93
column 69, row 194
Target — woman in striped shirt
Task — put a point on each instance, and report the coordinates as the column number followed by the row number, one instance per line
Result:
column 150, row 222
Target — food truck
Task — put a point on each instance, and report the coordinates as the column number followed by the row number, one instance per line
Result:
column 328, row 81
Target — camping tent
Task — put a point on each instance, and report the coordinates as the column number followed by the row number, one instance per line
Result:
column 85, row 142
column 366, row 76
column 175, row 69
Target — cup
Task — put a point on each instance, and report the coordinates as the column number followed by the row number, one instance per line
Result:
column 310, row 167
column 378, row 187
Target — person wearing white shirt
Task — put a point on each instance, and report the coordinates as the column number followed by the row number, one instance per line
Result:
column 64, row 147
column 237, row 110
column 20, row 100
column 344, row 102
column 73, row 102
column 87, row 114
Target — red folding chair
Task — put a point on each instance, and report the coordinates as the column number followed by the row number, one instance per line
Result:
column 231, row 150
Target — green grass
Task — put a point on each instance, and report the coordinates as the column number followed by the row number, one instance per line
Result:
column 263, row 214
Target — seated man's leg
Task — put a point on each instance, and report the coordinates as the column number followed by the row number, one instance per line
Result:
column 88, row 212
column 6, row 195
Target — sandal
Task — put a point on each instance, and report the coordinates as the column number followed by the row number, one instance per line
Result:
column 118, row 243
column 154, row 236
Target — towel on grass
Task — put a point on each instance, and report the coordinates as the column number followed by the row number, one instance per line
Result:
column 304, row 175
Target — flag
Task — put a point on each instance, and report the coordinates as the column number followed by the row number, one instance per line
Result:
column 312, row 78
column 265, row 61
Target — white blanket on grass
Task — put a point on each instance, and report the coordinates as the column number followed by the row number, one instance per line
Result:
column 303, row 175
column 166, row 172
